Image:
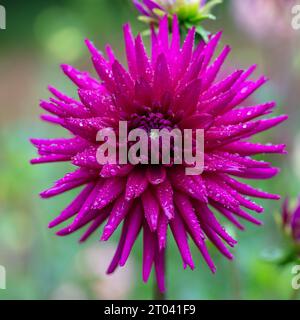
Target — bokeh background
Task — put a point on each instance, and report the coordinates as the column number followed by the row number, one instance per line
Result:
column 41, row 35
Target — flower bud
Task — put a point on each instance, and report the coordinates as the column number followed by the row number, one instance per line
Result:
column 189, row 12
column 291, row 221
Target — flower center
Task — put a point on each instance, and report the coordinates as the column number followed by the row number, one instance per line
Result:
column 150, row 121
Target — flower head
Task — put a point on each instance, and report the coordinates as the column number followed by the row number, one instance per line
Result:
column 175, row 87
column 291, row 220
column 189, row 12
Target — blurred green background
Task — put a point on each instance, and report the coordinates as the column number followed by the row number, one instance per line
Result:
column 41, row 35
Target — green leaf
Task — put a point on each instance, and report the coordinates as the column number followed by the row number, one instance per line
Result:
column 146, row 33
column 210, row 5
column 203, row 33
column 146, row 19
column 159, row 12
column 200, row 17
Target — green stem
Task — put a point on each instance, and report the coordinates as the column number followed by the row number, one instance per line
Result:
column 157, row 294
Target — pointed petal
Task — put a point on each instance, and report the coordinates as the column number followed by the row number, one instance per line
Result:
column 134, row 220
column 136, row 184
column 180, row 236
column 149, row 247
column 151, row 209
column 110, row 191
column 118, row 213
column 164, row 194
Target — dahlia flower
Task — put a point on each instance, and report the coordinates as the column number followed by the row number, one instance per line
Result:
column 291, row 221
column 174, row 87
column 189, row 12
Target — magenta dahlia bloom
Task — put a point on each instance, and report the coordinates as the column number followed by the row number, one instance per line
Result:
column 291, row 220
column 174, row 87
